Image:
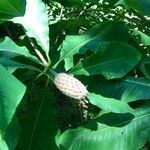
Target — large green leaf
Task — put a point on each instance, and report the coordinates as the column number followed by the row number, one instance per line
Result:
column 109, row 104
column 134, row 89
column 12, row 8
column 39, row 124
column 127, row 89
column 11, row 93
column 92, row 39
column 8, row 47
column 35, row 22
column 113, row 60
column 140, row 5
column 130, row 137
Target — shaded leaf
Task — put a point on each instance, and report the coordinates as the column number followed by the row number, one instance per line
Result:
column 112, row 2
column 110, row 119
column 12, row 134
column 109, row 104
column 145, row 66
column 39, row 124
column 11, row 93
column 11, row 65
column 128, row 89
column 113, row 60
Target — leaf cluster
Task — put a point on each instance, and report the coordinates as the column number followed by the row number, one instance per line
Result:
column 105, row 44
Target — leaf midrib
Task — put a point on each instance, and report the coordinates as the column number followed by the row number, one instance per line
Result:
column 37, row 117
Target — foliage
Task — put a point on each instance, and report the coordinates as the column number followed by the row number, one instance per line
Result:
column 105, row 44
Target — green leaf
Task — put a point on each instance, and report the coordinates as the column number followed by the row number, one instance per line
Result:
column 73, row 43
column 113, row 60
column 110, row 119
column 2, row 21
column 11, row 93
column 70, row 26
column 145, row 66
column 140, row 5
column 35, row 22
column 9, row 47
column 109, row 104
column 92, row 39
column 134, row 89
column 127, row 89
column 11, row 65
column 12, row 134
column 3, row 145
column 12, row 8
column 130, row 137
column 39, row 124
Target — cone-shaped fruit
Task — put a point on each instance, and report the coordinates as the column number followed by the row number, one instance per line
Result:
column 70, row 86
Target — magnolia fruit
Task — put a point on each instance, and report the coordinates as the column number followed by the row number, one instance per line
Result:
column 70, row 86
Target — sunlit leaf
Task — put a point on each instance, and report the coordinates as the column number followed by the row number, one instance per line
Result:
column 108, row 137
column 8, row 46
column 35, row 22
column 109, row 104
column 3, row 145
